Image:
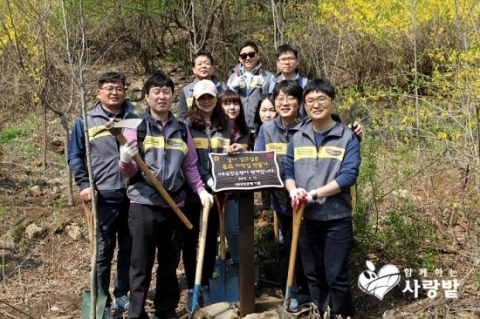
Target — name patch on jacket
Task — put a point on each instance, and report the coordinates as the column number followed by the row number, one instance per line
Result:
column 216, row 142
column 176, row 144
column 159, row 142
column 153, row 142
column 97, row 131
column 311, row 152
column 280, row 148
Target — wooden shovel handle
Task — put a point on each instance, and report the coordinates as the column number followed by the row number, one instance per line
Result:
column 221, row 221
column 203, row 240
column 297, row 222
column 88, row 213
column 158, row 186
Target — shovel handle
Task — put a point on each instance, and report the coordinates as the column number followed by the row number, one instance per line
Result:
column 89, row 214
column 203, row 239
column 276, row 227
column 297, row 222
column 158, row 186
column 221, row 221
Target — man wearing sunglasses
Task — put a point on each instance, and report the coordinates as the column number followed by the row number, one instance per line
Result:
column 248, row 79
column 287, row 64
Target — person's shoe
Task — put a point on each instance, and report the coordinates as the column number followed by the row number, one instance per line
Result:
column 300, row 300
column 121, row 304
column 304, row 299
column 207, row 298
column 189, row 300
column 107, row 313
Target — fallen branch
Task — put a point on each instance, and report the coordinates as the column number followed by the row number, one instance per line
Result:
column 15, row 308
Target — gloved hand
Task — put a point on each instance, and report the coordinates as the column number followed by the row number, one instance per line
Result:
column 312, row 196
column 204, row 196
column 298, row 195
column 257, row 81
column 128, row 151
column 210, row 183
column 238, row 83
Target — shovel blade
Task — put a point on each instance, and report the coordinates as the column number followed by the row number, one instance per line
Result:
column 86, row 305
column 226, row 290
column 232, row 289
column 217, row 289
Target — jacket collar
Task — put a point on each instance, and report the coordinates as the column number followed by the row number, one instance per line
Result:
column 98, row 110
column 336, row 130
column 257, row 69
column 298, row 122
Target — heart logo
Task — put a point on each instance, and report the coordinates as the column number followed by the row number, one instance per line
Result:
column 378, row 284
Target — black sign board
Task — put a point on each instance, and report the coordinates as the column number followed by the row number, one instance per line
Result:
column 245, row 171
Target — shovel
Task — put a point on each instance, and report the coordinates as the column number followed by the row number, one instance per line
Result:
column 223, row 288
column 297, row 221
column 100, row 298
column 100, row 304
column 201, row 253
column 115, row 128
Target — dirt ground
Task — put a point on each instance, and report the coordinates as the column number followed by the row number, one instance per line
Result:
column 44, row 277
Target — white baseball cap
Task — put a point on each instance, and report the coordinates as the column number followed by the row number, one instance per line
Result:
column 204, row 87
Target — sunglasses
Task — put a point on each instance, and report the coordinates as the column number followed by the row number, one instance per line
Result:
column 251, row 55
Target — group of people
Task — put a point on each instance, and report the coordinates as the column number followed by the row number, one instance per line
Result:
column 319, row 159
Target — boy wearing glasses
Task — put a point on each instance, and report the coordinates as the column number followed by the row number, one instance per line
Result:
column 112, row 200
column 248, row 79
column 203, row 69
column 287, row 63
column 322, row 163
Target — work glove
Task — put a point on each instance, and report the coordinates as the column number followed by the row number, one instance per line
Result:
column 128, row 151
column 238, row 83
column 312, row 196
column 297, row 196
column 210, row 183
column 257, row 81
column 204, row 196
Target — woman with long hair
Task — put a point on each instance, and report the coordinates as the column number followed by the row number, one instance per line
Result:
column 211, row 130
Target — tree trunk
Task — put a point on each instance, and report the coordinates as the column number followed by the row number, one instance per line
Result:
column 66, row 138
column 44, row 144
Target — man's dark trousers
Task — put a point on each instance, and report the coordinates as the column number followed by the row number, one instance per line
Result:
column 112, row 218
column 154, row 229
column 325, row 247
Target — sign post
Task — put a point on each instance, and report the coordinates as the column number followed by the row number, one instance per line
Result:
column 243, row 173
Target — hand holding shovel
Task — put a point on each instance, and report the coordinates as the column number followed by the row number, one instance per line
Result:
column 115, row 129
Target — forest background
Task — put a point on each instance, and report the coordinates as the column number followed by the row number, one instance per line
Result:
column 408, row 70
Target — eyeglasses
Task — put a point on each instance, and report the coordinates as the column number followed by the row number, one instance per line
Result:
column 287, row 59
column 111, row 89
column 289, row 99
column 320, row 100
column 251, row 55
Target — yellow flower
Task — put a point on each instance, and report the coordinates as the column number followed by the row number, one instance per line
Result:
column 442, row 136
column 455, row 136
